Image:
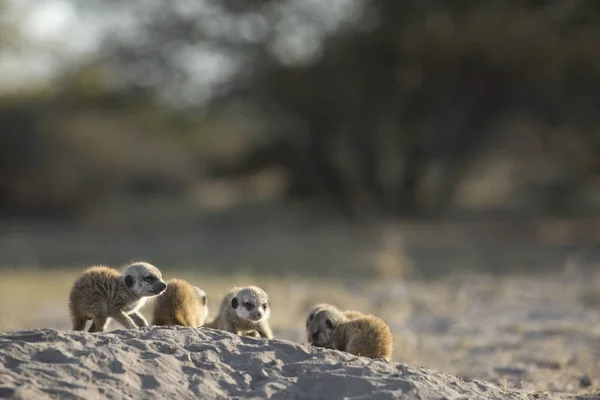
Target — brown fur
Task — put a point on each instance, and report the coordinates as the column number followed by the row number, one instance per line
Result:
column 319, row 333
column 350, row 331
column 180, row 304
column 316, row 309
column 101, row 293
column 350, row 314
column 366, row 336
column 230, row 320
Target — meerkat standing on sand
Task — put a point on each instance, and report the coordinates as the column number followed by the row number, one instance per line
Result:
column 180, row 304
column 244, row 311
column 363, row 335
column 101, row 293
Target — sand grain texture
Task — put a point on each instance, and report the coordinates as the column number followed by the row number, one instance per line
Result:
column 186, row 363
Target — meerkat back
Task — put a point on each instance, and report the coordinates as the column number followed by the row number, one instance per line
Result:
column 367, row 336
column 352, row 314
column 181, row 304
column 89, row 295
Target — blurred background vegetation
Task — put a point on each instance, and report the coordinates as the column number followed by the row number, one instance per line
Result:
column 386, row 136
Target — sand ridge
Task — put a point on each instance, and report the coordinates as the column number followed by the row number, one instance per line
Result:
column 186, row 363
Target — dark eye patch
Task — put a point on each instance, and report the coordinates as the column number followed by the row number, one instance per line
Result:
column 329, row 324
column 248, row 305
column 149, row 279
column 264, row 306
column 129, row 281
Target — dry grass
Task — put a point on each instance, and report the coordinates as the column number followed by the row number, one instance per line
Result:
column 532, row 333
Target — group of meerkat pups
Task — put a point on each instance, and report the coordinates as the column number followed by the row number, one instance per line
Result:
column 101, row 293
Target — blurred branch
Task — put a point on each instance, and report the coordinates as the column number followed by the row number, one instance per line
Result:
column 378, row 106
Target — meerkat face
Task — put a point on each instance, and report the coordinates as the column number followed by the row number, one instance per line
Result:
column 143, row 279
column 203, row 301
column 313, row 312
column 321, row 327
column 251, row 303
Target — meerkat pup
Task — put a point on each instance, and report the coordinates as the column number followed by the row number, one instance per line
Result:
column 180, row 304
column 102, row 292
column 350, row 314
column 244, row 311
column 364, row 335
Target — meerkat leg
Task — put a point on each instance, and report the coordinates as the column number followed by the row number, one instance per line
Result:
column 253, row 334
column 158, row 321
column 78, row 322
column 264, row 331
column 125, row 320
column 214, row 324
column 99, row 324
column 138, row 319
column 229, row 327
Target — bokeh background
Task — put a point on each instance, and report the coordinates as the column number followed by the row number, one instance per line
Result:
column 299, row 139
column 299, row 135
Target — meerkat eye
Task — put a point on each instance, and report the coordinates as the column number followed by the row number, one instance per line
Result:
column 248, row 305
column 264, row 306
column 149, row 279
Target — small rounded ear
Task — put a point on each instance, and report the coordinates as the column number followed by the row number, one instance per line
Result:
column 129, row 280
column 329, row 324
column 234, row 302
column 201, row 295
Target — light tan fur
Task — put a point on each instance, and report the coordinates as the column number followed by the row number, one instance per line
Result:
column 366, row 336
column 180, row 304
column 102, row 292
column 350, row 331
column 351, row 314
column 315, row 309
column 325, row 311
column 244, row 311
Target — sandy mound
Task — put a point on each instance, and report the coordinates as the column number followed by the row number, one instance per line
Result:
column 185, row 363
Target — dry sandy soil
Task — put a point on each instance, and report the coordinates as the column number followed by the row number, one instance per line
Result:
column 536, row 335
column 161, row 362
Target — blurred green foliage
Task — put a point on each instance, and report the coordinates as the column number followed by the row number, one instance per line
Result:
column 402, row 108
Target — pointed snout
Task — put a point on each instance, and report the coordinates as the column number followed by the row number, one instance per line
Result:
column 159, row 287
column 256, row 316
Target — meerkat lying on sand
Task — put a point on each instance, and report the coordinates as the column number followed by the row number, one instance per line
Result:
column 102, row 292
column 244, row 311
column 361, row 335
column 180, row 304
column 350, row 314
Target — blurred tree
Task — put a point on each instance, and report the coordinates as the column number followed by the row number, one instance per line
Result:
column 379, row 106
column 386, row 108
column 64, row 153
